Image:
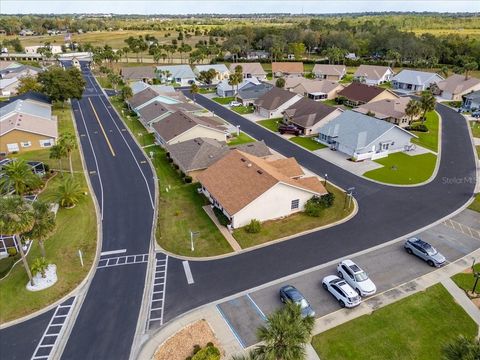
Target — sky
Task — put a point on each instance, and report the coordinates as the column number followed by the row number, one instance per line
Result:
column 231, row 6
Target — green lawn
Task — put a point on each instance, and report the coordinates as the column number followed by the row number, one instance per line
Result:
column 76, row 230
column 294, row 224
column 466, row 280
column 271, row 124
column 224, row 100
column 475, row 125
column 330, row 102
column 104, row 82
column 475, row 205
column 478, row 150
column 429, row 139
column 387, row 85
column 307, row 142
column 416, row 327
column 402, row 169
column 241, row 139
column 206, row 91
column 64, row 125
column 242, row 110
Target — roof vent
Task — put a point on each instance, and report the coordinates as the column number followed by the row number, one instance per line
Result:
column 243, row 160
column 249, row 165
column 260, row 172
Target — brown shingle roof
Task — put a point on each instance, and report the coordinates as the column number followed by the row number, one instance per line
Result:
column 360, row 92
column 287, row 67
column 138, row 72
column 329, row 69
column 157, row 108
column 274, row 98
column 456, row 84
column 142, row 97
column 307, row 112
column 238, row 178
column 254, row 68
column 371, row 72
column 387, row 108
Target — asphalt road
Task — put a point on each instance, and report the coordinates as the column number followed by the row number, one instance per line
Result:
column 385, row 213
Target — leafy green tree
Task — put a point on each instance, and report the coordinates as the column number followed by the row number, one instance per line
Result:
column 298, row 49
column 58, row 152
column 68, row 142
column 39, row 265
column 28, row 83
column 233, row 81
column 194, row 90
column 280, row 83
column 16, row 218
column 444, row 71
column 68, row 193
column 126, row 92
column 18, row 175
column 427, row 103
column 207, row 76
column 393, row 57
column 468, row 67
column 44, row 224
column 285, row 334
column 61, row 85
column 413, row 109
column 462, row 348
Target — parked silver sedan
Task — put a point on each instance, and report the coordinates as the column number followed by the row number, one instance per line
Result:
column 425, row 251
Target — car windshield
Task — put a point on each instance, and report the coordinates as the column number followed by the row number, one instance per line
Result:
column 362, row 276
column 431, row 250
column 302, row 303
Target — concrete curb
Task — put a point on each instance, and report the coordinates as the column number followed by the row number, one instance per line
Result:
column 86, row 281
column 477, row 160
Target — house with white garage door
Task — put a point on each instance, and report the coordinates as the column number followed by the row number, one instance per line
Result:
column 273, row 103
column 246, row 187
column 364, row 137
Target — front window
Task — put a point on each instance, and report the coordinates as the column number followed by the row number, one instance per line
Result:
column 303, row 304
column 431, row 250
column 361, row 276
column 46, row 143
column 26, row 144
column 295, row 204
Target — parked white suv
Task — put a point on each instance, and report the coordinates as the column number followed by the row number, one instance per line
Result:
column 346, row 296
column 356, row 278
column 235, row 104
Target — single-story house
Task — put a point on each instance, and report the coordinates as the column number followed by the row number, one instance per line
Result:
column 181, row 126
column 27, row 125
column 152, row 94
column 180, row 74
column 8, row 86
column 156, row 111
column 224, row 89
column 414, row 81
column 317, row 89
column 357, row 94
column 287, row 69
column 364, row 137
column 257, row 54
column 455, row 86
column 221, row 70
column 274, row 102
column 248, row 95
column 373, row 74
column 195, row 155
column 245, row 187
column 10, row 75
column 55, row 49
column 142, row 73
column 138, row 86
column 389, row 110
column 471, row 101
column 250, row 70
column 309, row 115
column 329, row 71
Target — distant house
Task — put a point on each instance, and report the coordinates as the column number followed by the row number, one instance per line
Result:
column 471, row 101
column 250, row 70
column 224, row 89
column 10, row 75
column 221, row 70
column 26, row 32
column 455, row 86
column 195, row 155
column 364, row 137
column 27, row 125
column 329, row 72
column 414, row 81
column 309, row 115
column 181, row 126
column 55, row 49
column 389, row 110
column 274, row 102
column 373, row 74
column 357, row 94
column 351, row 56
column 135, row 73
column 280, row 69
column 257, row 55
column 180, row 74
column 8, row 86
column 317, row 89
column 245, row 187
column 248, row 95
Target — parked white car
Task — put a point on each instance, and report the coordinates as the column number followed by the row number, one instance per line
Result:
column 356, row 278
column 235, row 104
column 345, row 295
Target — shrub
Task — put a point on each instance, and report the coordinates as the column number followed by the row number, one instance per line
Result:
column 175, row 166
column 222, row 219
column 196, row 349
column 417, row 127
column 11, row 251
column 39, row 266
column 254, row 227
column 313, row 208
column 207, row 353
column 169, row 159
column 187, row 179
column 46, row 167
column 327, row 200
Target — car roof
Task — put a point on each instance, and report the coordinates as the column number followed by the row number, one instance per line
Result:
column 354, row 267
column 421, row 243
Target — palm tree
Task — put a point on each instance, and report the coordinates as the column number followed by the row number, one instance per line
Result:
column 44, row 224
column 232, row 81
column 18, row 175
column 58, row 152
column 126, row 50
column 462, row 349
column 127, row 92
column 249, row 356
column 470, row 66
column 413, row 109
column 68, row 193
column 239, row 75
column 69, row 142
column 194, row 90
column 427, row 103
column 444, row 71
column 285, row 334
column 16, row 217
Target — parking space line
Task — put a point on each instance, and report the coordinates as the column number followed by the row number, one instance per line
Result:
column 232, row 329
column 464, row 229
column 188, row 272
column 256, row 307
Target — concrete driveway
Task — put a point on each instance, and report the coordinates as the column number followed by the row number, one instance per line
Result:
column 341, row 160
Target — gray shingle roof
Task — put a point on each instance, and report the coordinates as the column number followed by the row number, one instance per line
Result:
column 254, row 92
column 178, row 71
column 473, row 95
column 27, row 107
column 416, row 77
column 307, row 112
column 138, row 72
column 274, row 98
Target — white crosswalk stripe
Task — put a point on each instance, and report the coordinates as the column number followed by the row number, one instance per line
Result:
column 159, row 284
column 105, row 262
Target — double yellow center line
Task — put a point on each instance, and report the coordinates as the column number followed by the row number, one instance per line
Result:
column 101, row 128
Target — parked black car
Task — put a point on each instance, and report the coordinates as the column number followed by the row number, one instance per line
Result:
column 289, row 129
column 290, row 293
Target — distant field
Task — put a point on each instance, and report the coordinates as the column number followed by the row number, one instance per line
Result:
column 440, row 32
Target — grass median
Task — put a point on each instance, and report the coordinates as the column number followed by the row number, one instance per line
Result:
column 416, row 327
column 240, row 139
column 307, row 142
column 76, row 230
column 270, row 124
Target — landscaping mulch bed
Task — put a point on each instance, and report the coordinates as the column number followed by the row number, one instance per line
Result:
column 180, row 345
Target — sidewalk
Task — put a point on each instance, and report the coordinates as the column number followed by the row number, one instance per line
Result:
column 228, row 236
column 462, row 299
